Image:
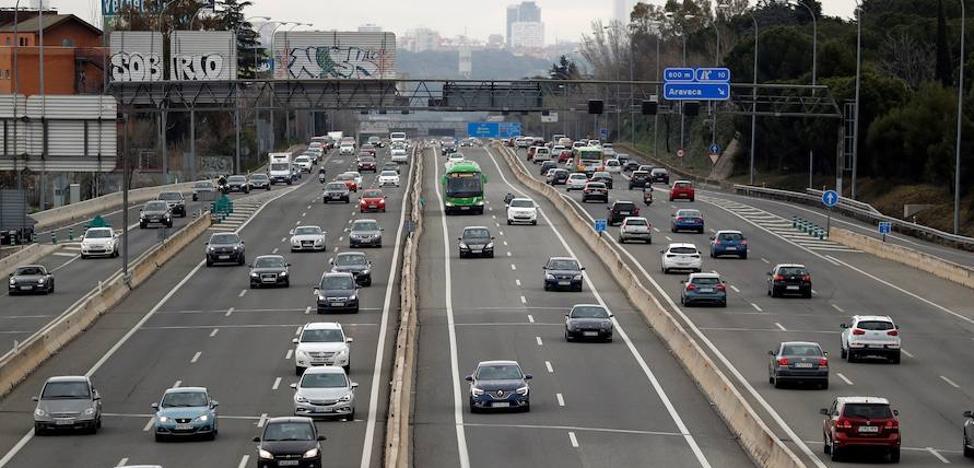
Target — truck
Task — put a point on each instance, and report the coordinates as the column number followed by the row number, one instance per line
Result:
column 397, row 137
column 279, row 168
column 463, row 186
column 336, row 136
column 16, row 226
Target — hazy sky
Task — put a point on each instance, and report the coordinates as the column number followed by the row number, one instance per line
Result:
column 564, row 19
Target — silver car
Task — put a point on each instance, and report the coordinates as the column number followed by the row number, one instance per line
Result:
column 67, row 402
column 325, row 392
column 365, row 233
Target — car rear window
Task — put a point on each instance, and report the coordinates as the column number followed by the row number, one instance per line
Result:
column 877, row 325
column 730, row 236
column 682, row 185
column 640, row 174
column 867, row 411
column 683, row 250
column 801, row 350
column 589, row 312
column 705, row 281
column 624, row 206
column 334, row 186
column 792, row 271
column 635, row 222
column 688, row 213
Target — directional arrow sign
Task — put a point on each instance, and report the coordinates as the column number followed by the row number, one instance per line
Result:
column 714, row 148
column 830, row 198
column 713, row 75
column 696, row 91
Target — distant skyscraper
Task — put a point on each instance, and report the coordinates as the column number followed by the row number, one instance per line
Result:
column 525, row 12
column 527, row 35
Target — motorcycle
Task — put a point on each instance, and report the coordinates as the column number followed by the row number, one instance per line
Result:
column 508, row 198
column 648, row 196
column 321, row 177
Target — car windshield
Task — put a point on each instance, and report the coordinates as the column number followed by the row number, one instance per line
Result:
column 801, row 350
column 284, row 431
column 237, row 179
column 688, row 214
column 372, row 194
column 522, row 203
column 98, row 234
column 336, row 186
column 184, row 400
column 322, row 335
column 705, row 280
column 683, row 185
column 595, row 185
column 365, row 226
column 683, row 250
column 170, row 196
column 279, row 167
column 577, row 176
column 302, row 159
column 612, row 162
column 367, row 160
column 351, row 260
column 498, row 372
column 29, row 271
column 203, row 185
column 269, row 262
column 659, row 171
column 333, row 283
column 639, row 174
column 307, row 231
column 635, row 222
column 875, row 325
column 223, row 239
column 791, row 271
column 156, row 206
column 326, row 380
column 563, row 264
column 65, row 391
column 389, row 174
column 258, row 177
column 589, row 312
column 476, row 234
column 866, row 411
column 730, row 236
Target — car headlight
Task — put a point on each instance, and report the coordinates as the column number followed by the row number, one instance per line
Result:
column 253, row 274
column 311, row 453
column 13, row 281
column 476, row 391
column 577, row 277
column 463, row 245
column 366, row 271
column 490, row 245
column 353, row 297
column 89, row 411
column 522, row 391
column 236, row 247
column 40, row 413
column 209, row 249
column 283, row 273
column 480, row 203
column 549, row 277
column 300, row 399
column 163, row 419
column 449, row 203
column 264, row 454
column 346, row 397
column 203, row 418
column 606, row 325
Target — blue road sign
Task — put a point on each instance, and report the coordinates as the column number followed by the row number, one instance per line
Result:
column 885, row 227
column 603, row 134
column 600, row 225
column 678, row 74
column 830, row 198
column 712, row 75
column 714, row 148
column 696, row 91
column 493, row 129
column 111, row 7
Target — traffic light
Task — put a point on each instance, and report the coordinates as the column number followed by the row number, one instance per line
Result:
column 595, row 107
column 649, row 107
column 691, row 108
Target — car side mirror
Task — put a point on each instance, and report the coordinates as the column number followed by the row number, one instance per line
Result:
column 294, row 386
column 769, row 273
column 291, row 232
column 468, row 378
column 459, row 238
column 354, row 384
column 214, row 404
column 206, row 243
column 492, row 238
column 582, row 268
column 349, row 339
column 897, row 327
column 528, row 376
column 316, row 290
column 824, row 411
column 322, row 438
column 712, row 237
column 96, row 396
column 770, row 353
column 612, row 315
column 969, row 414
column 288, row 264
column 155, row 406
column 34, row 398
column 826, row 353
column 295, row 341
column 896, row 412
column 256, row 439
column 844, row 325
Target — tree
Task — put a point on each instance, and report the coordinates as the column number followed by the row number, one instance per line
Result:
column 908, row 58
column 565, row 69
column 231, row 18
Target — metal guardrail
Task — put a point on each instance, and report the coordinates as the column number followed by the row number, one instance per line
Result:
column 862, row 212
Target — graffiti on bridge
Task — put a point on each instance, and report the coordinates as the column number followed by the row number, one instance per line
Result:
column 136, row 67
column 334, row 62
column 197, row 67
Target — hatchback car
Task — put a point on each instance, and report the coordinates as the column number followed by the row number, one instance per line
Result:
column 269, row 270
column 871, row 335
column 203, row 189
column 176, row 202
column 639, row 179
column 798, row 362
column 499, row 385
column 225, row 247
column 325, row 392
column 99, row 242
column 682, row 190
column 703, row 288
column 30, row 279
column 680, row 257
column 613, row 165
column 337, row 292
column 336, row 191
column 356, row 263
column 547, row 166
column 322, row 344
column 522, row 210
column 603, row 177
column 289, row 441
column 687, row 220
column 349, row 180
column 155, row 212
column 476, row 241
column 635, row 228
column 185, row 412
column 659, row 176
column 237, row 183
column 307, row 238
column 303, row 163
column 630, row 166
column 588, row 321
column 557, row 177
column 576, row 181
column 726, row 243
column 789, row 279
column 620, row 210
column 259, row 181
column 367, row 164
column 372, row 200
column 861, row 422
column 390, row 166
column 595, row 191
column 563, row 273
column 67, row 402
column 365, row 233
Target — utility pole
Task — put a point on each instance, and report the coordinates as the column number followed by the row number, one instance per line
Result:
column 960, row 114
column 754, row 97
column 855, row 139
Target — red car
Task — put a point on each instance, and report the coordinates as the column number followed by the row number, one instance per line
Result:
column 369, row 149
column 865, row 422
column 349, row 182
column 682, row 189
column 372, row 200
column 366, row 164
column 564, row 156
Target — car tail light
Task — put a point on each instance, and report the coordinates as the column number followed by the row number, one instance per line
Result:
column 893, row 333
column 716, row 241
column 892, row 424
column 843, row 423
column 807, row 278
column 857, row 331
column 783, row 361
column 779, row 278
column 691, row 287
column 679, row 218
column 823, row 362
column 721, row 287
column 744, row 242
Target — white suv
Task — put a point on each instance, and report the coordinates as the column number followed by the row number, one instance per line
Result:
column 680, row 257
column 635, row 228
column 346, row 149
column 322, row 344
column 99, row 242
column 576, row 181
column 522, row 210
column 871, row 335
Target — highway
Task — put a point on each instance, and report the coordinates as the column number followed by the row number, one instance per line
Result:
column 929, row 388
column 593, row 404
column 191, row 325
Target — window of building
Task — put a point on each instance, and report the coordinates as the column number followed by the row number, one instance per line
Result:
column 23, row 41
column 67, row 42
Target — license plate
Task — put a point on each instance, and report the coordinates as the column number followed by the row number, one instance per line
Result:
column 564, row 283
column 792, row 288
column 183, row 427
column 288, row 462
column 803, row 365
column 464, row 207
column 501, row 404
column 624, row 212
column 337, row 304
column 26, row 288
column 323, row 410
column 64, row 422
column 731, row 248
column 224, row 257
column 706, row 290
column 868, row 428
column 372, row 207
column 269, row 280
column 590, row 333
column 476, row 251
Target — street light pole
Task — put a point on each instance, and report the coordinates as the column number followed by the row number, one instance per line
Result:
column 754, row 97
column 855, row 140
column 960, row 114
column 713, row 135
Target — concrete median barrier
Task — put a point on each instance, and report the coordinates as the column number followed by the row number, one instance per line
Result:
column 86, row 209
column 21, row 361
column 757, row 439
column 25, row 256
column 936, row 266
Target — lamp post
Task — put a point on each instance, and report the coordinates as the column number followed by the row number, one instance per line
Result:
column 713, row 134
column 855, row 140
column 754, row 97
column 683, row 35
column 811, row 153
column 960, row 113
column 236, row 107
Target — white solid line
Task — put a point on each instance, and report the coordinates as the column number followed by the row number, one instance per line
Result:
column 782, row 327
column 844, row 378
column 949, row 382
column 523, row 300
column 538, row 339
column 229, row 311
column 513, row 267
column 837, row 308
column 561, row 399
column 517, row 282
column 148, row 425
column 297, row 331
column 196, row 357
column 907, row 353
column 262, row 420
column 242, row 292
column 938, row 455
column 277, row 384
column 274, row 251
column 214, row 332
column 547, row 365
column 123, row 462
column 572, row 439
column 243, row 461
column 765, row 260
column 69, row 254
column 756, row 307
column 288, row 354
column 735, row 288
column 307, row 310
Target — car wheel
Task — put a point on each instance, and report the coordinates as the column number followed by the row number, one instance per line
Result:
column 368, row 282
column 141, row 225
column 744, row 257
column 39, row 430
column 826, row 447
column 159, row 438
column 546, row 286
column 568, row 336
column 351, row 416
column 894, row 455
column 773, row 292
column 775, row 382
column 211, row 435
column 895, row 358
column 534, row 223
column 347, row 367
column 83, row 256
column 824, row 385
column 851, row 356
column 209, row 262
column 835, row 453
column 115, row 253
column 287, row 283
column 842, row 353
column 968, row 452
column 508, row 222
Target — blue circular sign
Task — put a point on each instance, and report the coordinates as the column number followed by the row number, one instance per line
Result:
column 830, row 198
column 714, row 148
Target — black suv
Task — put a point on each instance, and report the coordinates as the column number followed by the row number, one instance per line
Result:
column 269, row 270
column 155, row 211
column 176, row 202
column 789, row 279
column 639, row 179
column 225, row 247
column 237, row 183
column 337, row 292
column 290, row 441
column 621, row 210
column 562, row 273
column 356, row 263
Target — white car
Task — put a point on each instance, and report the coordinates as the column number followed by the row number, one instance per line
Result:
column 321, row 344
column 608, row 150
column 388, row 178
column 635, row 228
column 399, row 154
column 307, row 238
column 356, row 175
column 612, row 165
column 99, row 242
column 325, row 392
column 346, row 149
column 541, row 155
column 576, row 181
column 522, row 210
column 303, row 162
column 871, row 335
column 453, row 159
column 680, row 257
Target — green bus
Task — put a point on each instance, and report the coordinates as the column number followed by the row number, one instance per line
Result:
column 463, row 187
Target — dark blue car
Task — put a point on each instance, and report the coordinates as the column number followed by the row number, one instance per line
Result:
column 728, row 243
column 499, row 385
column 687, row 220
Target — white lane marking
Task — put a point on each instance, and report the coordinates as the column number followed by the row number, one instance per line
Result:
column 277, row 384
column 458, row 398
column 561, row 399
column 513, row 266
column 304, row 214
column 782, row 327
column 307, row 310
column 765, row 260
column 243, row 461
column 262, row 420
column 297, row 331
column 844, row 378
column 274, row 251
column 517, row 282
column 69, row 254
column 214, row 332
column 284, row 239
column 367, row 446
column 949, row 382
column 655, row 229
column 547, row 364
column 196, row 357
column 309, row 207
column 669, row 238
column 493, row 216
column 335, row 250
column 572, row 439
column 530, row 318
column 907, row 353
column 242, row 292
column 836, row 307
column 288, row 354
column 654, row 382
column 505, row 243
column 122, row 462
column 814, row 292
column 177, row 384
column 827, row 258
column 501, row 232
column 938, row 455
column 756, row 307
column 735, row 288
column 508, row 253
column 523, row 300
column 229, row 312
column 148, row 425
column 538, row 339
column 297, row 223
